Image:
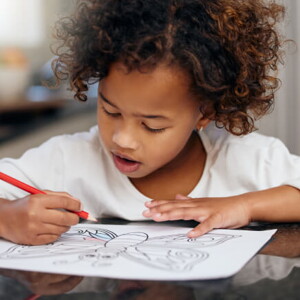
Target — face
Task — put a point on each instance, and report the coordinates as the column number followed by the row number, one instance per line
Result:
column 146, row 119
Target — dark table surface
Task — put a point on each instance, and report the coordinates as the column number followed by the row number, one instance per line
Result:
column 274, row 273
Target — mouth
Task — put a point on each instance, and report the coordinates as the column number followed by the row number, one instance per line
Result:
column 125, row 164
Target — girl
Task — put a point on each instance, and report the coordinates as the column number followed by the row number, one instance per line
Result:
column 181, row 83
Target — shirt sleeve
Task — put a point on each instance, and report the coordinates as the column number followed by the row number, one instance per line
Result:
column 41, row 167
column 280, row 166
column 250, row 163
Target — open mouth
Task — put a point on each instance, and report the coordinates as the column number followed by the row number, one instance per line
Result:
column 125, row 165
column 128, row 160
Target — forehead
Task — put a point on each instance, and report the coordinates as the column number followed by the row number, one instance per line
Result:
column 160, row 85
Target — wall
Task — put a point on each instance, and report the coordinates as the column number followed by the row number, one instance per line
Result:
column 284, row 121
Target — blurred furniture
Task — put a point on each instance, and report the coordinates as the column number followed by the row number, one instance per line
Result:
column 25, row 123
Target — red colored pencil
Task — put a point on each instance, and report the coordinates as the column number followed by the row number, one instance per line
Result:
column 30, row 189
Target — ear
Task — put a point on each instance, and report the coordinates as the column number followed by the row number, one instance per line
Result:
column 202, row 123
column 206, row 115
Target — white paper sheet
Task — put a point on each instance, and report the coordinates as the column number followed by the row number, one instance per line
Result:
column 138, row 252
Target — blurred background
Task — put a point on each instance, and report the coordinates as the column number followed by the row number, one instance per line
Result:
column 31, row 113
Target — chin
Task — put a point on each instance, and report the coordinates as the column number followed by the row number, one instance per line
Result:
column 137, row 175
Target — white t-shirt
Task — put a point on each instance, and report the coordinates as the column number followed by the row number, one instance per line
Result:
column 79, row 164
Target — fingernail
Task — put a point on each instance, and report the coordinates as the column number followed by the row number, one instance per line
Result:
column 148, row 203
column 191, row 233
column 157, row 215
column 147, row 213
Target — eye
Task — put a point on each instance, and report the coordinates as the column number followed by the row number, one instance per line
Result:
column 114, row 115
column 154, row 130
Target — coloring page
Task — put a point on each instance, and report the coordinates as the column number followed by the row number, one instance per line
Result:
column 138, row 252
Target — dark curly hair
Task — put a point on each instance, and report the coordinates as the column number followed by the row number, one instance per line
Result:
column 230, row 48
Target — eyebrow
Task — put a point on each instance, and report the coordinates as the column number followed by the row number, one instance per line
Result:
column 138, row 115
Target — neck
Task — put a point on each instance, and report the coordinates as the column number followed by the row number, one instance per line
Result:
column 181, row 175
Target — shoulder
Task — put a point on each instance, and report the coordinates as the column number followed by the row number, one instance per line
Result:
column 64, row 150
column 219, row 140
column 250, row 152
column 88, row 137
column 85, row 139
column 250, row 162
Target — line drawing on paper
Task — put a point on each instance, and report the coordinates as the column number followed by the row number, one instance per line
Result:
column 173, row 252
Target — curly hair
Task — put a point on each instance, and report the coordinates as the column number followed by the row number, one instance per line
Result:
column 229, row 48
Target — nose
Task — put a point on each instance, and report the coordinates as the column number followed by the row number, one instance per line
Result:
column 125, row 138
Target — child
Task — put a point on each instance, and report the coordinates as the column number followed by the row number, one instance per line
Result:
column 181, row 83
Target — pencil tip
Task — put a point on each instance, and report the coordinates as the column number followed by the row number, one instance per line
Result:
column 90, row 218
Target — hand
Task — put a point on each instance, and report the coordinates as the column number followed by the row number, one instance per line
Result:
column 37, row 219
column 43, row 283
column 227, row 212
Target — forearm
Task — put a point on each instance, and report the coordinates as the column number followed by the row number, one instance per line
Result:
column 280, row 204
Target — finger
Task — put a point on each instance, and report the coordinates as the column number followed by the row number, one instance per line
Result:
column 63, row 194
column 42, row 234
column 43, row 239
column 56, row 287
column 32, row 280
column 59, row 217
column 182, row 213
column 204, row 227
column 59, row 201
column 181, row 197
column 155, row 203
column 53, row 229
column 42, row 280
column 64, row 286
column 170, row 206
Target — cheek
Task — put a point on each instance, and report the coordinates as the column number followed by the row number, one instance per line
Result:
column 166, row 148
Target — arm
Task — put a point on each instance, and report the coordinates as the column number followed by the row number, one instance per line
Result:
column 280, row 204
column 37, row 219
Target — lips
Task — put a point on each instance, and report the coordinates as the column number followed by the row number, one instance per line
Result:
column 125, row 164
